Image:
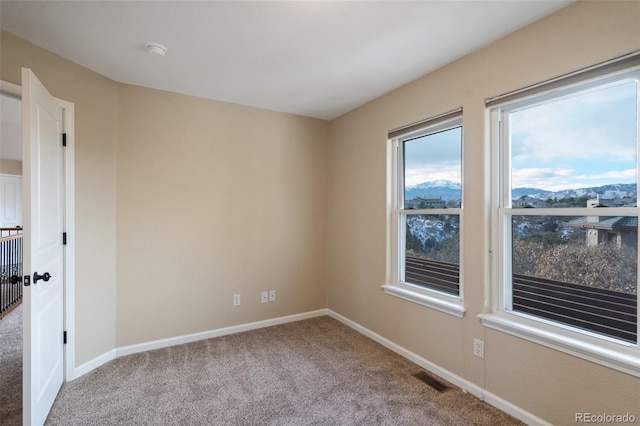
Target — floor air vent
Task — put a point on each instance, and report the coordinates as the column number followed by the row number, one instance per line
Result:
column 434, row 383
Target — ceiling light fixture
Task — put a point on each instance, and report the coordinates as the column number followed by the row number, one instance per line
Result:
column 156, row 49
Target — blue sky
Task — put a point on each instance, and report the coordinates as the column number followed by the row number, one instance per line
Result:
column 576, row 142
column 434, row 157
column 580, row 141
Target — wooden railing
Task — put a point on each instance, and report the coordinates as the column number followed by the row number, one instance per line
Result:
column 10, row 270
column 607, row 312
column 5, row 232
column 439, row 276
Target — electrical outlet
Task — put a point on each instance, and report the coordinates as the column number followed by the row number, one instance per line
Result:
column 236, row 300
column 265, row 297
column 478, row 348
column 272, row 296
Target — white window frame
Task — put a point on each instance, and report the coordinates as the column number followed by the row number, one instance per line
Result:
column 396, row 214
column 611, row 352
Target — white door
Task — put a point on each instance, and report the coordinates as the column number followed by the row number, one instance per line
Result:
column 43, row 251
column 10, row 201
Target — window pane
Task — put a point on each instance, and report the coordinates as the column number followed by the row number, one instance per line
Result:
column 433, row 170
column 569, row 150
column 432, row 254
column 581, row 271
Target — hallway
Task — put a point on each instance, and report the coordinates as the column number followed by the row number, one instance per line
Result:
column 11, row 368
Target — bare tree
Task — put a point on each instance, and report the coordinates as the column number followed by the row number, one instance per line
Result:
column 604, row 266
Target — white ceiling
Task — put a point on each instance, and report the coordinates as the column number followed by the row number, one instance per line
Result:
column 313, row 58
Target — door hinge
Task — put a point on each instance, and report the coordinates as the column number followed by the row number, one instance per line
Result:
column 64, row 139
column 27, row 280
column 64, row 238
column 64, row 337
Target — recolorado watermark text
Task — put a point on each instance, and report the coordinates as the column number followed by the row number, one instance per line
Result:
column 604, row 418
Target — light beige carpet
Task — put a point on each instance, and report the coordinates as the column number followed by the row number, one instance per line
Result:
column 311, row 372
column 11, row 368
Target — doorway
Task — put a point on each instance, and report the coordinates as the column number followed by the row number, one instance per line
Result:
column 11, row 255
column 67, row 273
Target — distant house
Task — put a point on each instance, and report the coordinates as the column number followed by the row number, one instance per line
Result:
column 425, row 203
column 527, row 201
column 621, row 230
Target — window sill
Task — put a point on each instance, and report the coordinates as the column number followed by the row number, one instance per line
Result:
column 619, row 356
column 447, row 304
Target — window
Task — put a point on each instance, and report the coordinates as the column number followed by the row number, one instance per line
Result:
column 425, row 213
column 566, row 216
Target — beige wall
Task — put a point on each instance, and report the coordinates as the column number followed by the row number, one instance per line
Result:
column 11, row 167
column 547, row 383
column 212, row 199
column 182, row 202
column 95, row 99
column 215, row 199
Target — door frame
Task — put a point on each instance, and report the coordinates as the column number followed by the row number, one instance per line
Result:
column 15, row 91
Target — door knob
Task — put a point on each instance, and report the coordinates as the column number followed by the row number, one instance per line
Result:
column 36, row 277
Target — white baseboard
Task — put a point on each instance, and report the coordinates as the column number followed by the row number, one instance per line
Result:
column 93, row 364
column 188, row 338
column 462, row 383
column 514, row 410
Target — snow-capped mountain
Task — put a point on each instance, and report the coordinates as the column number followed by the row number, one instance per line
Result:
column 446, row 189
column 618, row 190
column 449, row 190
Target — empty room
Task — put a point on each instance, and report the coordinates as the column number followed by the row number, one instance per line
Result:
column 320, row 212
